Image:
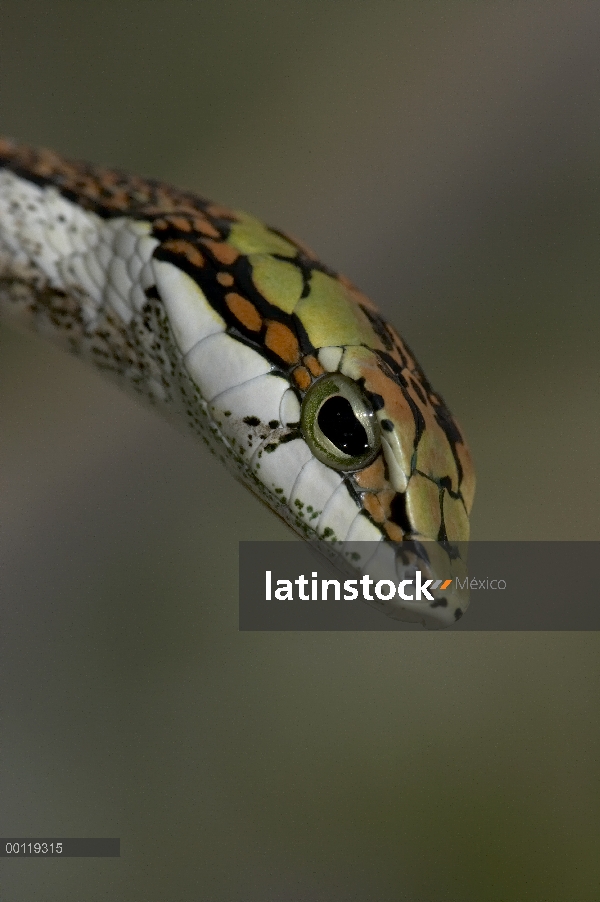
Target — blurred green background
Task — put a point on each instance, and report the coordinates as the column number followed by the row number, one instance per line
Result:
column 446, row 157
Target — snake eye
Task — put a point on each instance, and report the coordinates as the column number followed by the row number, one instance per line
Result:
column 338, row 423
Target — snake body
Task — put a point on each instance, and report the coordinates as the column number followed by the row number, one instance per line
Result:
column 280, row 365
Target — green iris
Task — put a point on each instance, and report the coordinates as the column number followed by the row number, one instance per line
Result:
column 339, row 424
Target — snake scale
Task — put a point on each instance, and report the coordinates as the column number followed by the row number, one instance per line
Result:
column 279, row 364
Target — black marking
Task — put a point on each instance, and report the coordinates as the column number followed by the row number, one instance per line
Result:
column 444, row 419
column 241, row 270
column 443, row 482
column 305, row 286
column 377, row 402
column 392, row 369
column 442, row 535
column 453, row 551
column 306, row 265
column 458, row 614
column 353, row 491
column 387, row 425
column 301, row 261
column 142, row 195
column 251, row 421
column 290, row 436
column 418, row 390
column 416, row 370
column 379, row 327
column 399, row 514
column 419, row 424
column 439, row 603
column 273, row 424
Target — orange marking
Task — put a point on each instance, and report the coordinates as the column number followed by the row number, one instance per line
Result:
column 119, row 200
column 88, row 187
column 113, row 190
column 180, row 223
column 386, row 496
column 203, row 226
column 166, row 200
column 372, row 506
column 445, row 584
column 302, row 378
column 225, row 278
column 189, row 251
column 372, row 477
column 245, row 312
column 394, row 532
column 222, row 252
column 220, row 212
column 313, row 365
column 281, row 340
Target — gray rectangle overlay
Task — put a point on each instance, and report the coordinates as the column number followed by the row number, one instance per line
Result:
column 59, row 848
column 547, row 586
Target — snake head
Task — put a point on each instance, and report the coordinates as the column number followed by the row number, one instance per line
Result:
column 377, row 457
column 377, row 419
column 369, row 411
column 373, row 417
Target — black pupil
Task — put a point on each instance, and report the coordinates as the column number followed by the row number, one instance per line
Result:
column 337, row 421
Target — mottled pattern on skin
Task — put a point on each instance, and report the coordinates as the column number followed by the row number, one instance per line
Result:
column 269, row 293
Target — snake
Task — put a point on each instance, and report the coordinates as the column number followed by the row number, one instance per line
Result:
column 238, row 332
